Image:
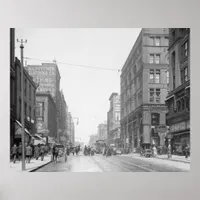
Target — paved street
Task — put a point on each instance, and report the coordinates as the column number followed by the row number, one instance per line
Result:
column 99, row 163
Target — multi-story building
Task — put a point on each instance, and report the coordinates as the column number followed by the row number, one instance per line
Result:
column 29, row 103
column 178, row 99
column 70, row 129
column 113, row 120
column 63, row 119
column 46, row 119
column 12, row 86
column 144, row 87
column 93, row 139
column 102, row 131
column 48, row 77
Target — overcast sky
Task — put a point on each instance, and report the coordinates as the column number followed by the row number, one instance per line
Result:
column 86, row 90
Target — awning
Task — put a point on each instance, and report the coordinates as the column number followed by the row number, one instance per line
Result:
column 187, row 87
column 169, row 97
column 18, row 131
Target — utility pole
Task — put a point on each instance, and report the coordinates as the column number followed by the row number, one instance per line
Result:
column 22, row 104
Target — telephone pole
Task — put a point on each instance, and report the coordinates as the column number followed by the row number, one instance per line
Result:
column 22, row 104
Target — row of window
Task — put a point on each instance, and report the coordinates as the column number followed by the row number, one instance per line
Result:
column 183, row 71
column 26, row 86
column 154, row 76
column 154, row 58
column 156, row 41
column 27, row 110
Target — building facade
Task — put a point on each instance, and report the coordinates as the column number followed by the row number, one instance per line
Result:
column 46, row 119
column 102, row 131
column 178, row 99
column 144, row 87
column 47, row 76
column 63, row 119
column 70, row 129
column 29, row 103
column 113, row 120
column 12, row 86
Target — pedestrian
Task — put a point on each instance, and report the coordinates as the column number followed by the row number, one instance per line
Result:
column 53, row 152
column 14, row 152
column 19, row 151
column 42, row 152
column 46, row 149
column 37, row 152
column 56, row 154
column 186, row 151
column 169, row 151
column 28, row 153
column 154, row 151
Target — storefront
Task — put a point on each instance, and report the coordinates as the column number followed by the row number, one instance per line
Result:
column 180, row 136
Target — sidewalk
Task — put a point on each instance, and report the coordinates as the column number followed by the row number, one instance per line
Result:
column 175, row 161
column 164, row 157
column 175, row 158
column 33, row 165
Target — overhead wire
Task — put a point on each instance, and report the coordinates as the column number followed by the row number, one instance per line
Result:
column 76, row 65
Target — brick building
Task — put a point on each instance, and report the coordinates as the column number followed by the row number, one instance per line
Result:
column 48, row 77
column 29, row 103
column 144, row 87
column 70, row 129
column 102, row 131
column 178, row 99
column 12, row 86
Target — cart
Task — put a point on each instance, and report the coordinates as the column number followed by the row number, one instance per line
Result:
column 62, row 152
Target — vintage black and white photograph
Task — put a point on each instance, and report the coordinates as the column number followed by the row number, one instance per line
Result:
column 100, row 100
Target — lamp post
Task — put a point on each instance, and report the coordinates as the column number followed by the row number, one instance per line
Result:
column 22, row 104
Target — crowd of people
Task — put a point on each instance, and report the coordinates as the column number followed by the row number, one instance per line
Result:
column 88, row 151
column 31, row 152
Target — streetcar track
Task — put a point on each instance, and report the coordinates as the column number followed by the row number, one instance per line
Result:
column 122, row 167
column 135, row 165
column 118, row 165
column 99, row 165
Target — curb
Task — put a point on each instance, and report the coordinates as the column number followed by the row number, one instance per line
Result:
column 35, row 169
column 187, row 162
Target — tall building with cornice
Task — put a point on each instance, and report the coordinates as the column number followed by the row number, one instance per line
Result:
column 144, row 87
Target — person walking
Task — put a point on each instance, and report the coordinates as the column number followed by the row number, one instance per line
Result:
column 19, row 151
column 37, row 152
column 154, row 151
column 169, row 151
column 14, row 152
column 42, row 151
column 53, row 152
column 28, row 153
column 56, row 154
column 186, row 151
